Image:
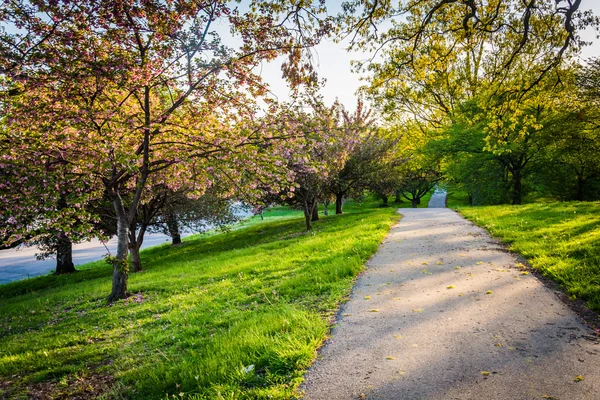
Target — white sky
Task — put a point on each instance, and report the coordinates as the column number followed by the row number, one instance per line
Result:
column 333, row 64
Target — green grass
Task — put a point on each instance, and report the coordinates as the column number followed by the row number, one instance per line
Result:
column 562, row 240
column 236, row 315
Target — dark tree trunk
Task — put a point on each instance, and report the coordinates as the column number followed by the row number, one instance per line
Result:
column 385, row 201
column 470, row 199
column 64, row 255
column 580, row 187
column 398, row 199
column 120, row 273
column 339, row 203
column 173, row 227
column 517, row 188
column 134, row 250
column 307, row 217
column 315, row 213
column 415, row 202
column 262, row 214
column 325, row 211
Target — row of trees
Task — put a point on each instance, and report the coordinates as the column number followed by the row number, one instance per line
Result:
column 496, row 88
column 117, row 117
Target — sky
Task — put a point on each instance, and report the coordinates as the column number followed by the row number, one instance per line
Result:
column 333, row 64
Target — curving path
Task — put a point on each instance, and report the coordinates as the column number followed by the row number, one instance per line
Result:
column 443, row 312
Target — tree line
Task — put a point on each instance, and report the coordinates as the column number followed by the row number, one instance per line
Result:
column 122, row 117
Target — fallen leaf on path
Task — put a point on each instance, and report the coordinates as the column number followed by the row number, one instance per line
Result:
column 390, row 358
column 457, row 267
column 439, row 263
column 367, row 297
column 488, row 292
column 578, row 378
column 485, row 373
column 524, row 273
column 374, row 310
column 450, row 287
column 417, row 310
column 479, row 262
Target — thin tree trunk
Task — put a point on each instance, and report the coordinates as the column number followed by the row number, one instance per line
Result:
column 517, row 188
column 173, row 227
column 339, row 203
column 315, row 212
column 415, row 202
column 385, row 201
column 580, row 187
column 120, row 270
column 325, row 211
column 398, row 198
column 307, row 216
column 64, row 255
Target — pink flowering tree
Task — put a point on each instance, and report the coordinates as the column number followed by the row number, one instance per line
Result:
column 131, row 89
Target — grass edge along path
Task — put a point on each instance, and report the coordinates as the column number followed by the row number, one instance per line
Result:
column 561, row 240
column 237, row 315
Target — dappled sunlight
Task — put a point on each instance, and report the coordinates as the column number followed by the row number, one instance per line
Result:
column 430, row 320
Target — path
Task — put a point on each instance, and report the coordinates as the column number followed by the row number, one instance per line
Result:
column 419, row 327
column 438, row 199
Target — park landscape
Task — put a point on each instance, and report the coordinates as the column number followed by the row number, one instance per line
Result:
column 123, row 118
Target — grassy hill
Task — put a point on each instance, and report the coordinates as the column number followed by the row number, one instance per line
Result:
column 233, row 315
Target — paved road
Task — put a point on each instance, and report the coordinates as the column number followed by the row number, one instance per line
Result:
column 438, row 199
column 21, row 263
column 443, row 312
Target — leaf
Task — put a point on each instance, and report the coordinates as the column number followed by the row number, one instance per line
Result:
column 450, row 287
column 367, row 297
column 390, row 358
column 578, row 378
column 488, row 292
column 374, row 310
column 485, row 373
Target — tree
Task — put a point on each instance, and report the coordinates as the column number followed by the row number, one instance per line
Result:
column 318, row 156
column 142, row 87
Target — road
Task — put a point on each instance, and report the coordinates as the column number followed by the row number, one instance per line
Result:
column 20, row 263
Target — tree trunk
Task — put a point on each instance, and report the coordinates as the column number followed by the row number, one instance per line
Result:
column 307, row 216
column 339, row 202
column 517, row 188
column 315, row 212
column 134, row 250
column 398, row 198
column 470, row 199
column 385, row 201
column 262, row 214
column 580, row 187
column 120, row 270
column 415, row 202
column 325, row 211
column 64, row 255
column 173, row 227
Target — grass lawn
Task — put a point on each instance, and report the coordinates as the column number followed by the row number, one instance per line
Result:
column 562, row 240
column 236, row 315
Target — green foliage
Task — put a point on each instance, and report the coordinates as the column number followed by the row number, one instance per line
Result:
column 558, row 239
column 238, row 314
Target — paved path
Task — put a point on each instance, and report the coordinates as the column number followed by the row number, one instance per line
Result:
column 418, row 327
column 438, row 199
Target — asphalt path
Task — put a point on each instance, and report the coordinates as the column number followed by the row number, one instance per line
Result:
column 443, row 311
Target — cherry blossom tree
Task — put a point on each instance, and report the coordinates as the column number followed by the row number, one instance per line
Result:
column 131, row 89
